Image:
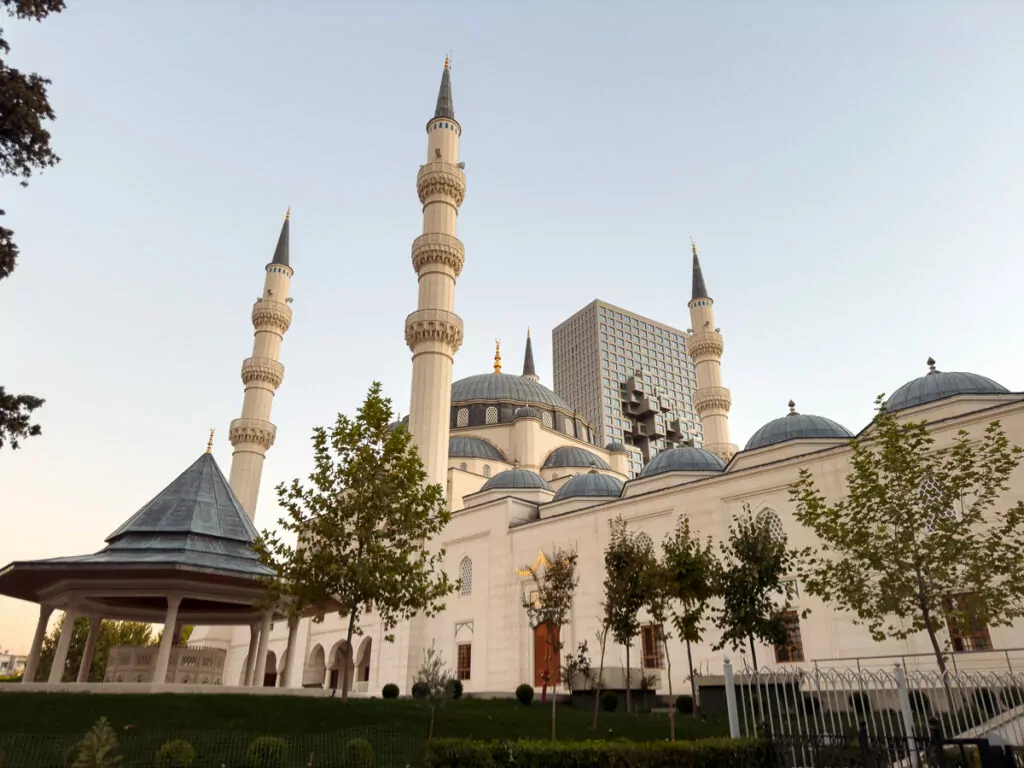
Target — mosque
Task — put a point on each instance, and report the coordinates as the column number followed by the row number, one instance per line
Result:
column 524, row 476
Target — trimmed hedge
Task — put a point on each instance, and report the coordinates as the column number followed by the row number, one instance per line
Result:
column 706, row 753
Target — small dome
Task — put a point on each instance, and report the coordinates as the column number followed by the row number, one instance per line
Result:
column 615, row 447
column 590, row 484
column 526, row 412
column 473, row 448
column 795, row 426
column 683, row 459
column 936, row 385
column 573, row 456
column 400, row 423
column 505, row 387
column 516, row 478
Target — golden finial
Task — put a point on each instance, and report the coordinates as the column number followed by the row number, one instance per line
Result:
column 497, row 355
column 288, row 213
column 527, row 331
column 209, row 443
column 693, row 246
column 447, row 62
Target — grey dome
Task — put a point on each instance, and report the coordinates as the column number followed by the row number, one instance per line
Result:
column 615, row 447
column 797, row 425
column 683, row 459
column 504, row 387
column 526, row 412
column 572, row 456
column 590, row 484
column 473, row 448
column 935, row 385
column 516, row 478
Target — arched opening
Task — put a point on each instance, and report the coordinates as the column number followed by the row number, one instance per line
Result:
column 363, row 660
column 341, row 655
column 270, row 673
column 316, row 668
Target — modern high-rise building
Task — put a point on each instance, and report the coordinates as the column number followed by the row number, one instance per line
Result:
column 630, row 376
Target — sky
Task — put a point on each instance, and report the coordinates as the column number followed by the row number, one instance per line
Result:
column 851, row 174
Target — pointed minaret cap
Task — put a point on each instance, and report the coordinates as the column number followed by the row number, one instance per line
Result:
column 529, row 369
column 497, row 355
column 445, row 105
column 700, row 290
column 281, row 252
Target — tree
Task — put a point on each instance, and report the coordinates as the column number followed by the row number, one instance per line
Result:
column 112, row 634
column 918, row 526
column 552, row 606
column 691, row 576
column 602, row 639
column 180, row 640
column 435, row 678
column 752, row 585
column 658, row 600
column 577, row 665
column 24, row 148
column 627, row 562
column 363, row 523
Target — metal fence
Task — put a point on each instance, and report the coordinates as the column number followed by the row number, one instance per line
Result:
column 390, row 746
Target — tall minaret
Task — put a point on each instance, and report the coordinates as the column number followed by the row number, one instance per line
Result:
column 434, row 332
column 712, row 400
column 253, row 434
column 529, row 369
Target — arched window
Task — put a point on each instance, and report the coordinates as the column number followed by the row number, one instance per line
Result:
column 570, row 428
column 644, row 542
column 463, row 466
column 770, row 519
column 545, row 419
column 466, row 574
column 462, row 417
column 935, row 507
column 491, row 415
column 487, row 470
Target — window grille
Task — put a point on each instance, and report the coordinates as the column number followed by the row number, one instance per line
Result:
column 462, row 417
column 769, row 518
column 792, row 648
column 464, row 658
column 966, row 632
column 466, row 574
column 651, row 637
column 487, row 470
column 545, row 419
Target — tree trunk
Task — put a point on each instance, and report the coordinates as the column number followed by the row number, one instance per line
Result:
column 431, row 737
column 940, row 657
column 693, row 680
column 600, row 677
column 628, row 698
column 671, row 698
column 757, row 679
column 554, row 698
column 344, row 671
column 555, row 641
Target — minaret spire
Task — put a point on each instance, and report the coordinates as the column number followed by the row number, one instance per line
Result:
column 253, row 434
column 711, row 400
column 529, row 370
column 445, row 105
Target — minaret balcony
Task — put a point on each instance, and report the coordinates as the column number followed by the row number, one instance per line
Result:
column 271, row 315
column 703, row 345
column 441, row 179
column 265, row 370
column 252, row 431
column 708, row 399
column 433, row 325
column 438, row 248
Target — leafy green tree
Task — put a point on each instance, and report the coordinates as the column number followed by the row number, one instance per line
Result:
column 24, row 149
column 658, row 601
column 627, row 564
column 362, row 524
column 182, row 639
column 691, row 578
column 918, row 525
column 111, row 635
column 552, row 606
column 436, row 679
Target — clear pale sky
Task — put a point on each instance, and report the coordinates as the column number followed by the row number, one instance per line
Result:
column 852, row 177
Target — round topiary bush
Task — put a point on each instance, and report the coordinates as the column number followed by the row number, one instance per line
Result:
column 389, row 691
column 525, row 694
column 176, row 754
column 358, row 753
column 454, row 688
column 267, row 752
column 420, row 690
column 684, row 705
column 609, row 701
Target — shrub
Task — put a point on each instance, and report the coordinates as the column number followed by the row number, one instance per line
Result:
column 358, row 753
column 684, row 705
column 98, row 749
column 920, row 704
column 525, row 694
column 609, row 701
column 267, row 752
column 389, row 691
column 176, row 754
column 420, row 690
column 705, row 753
column 454, row 688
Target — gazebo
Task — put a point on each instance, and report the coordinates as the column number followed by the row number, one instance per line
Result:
column 186, row 557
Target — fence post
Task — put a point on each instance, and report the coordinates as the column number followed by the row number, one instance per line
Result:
column 730, row 699
column 906, row 713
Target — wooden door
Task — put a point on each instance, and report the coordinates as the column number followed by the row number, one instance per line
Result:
column 545, row 658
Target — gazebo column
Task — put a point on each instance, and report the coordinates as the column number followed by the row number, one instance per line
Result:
column 250, row 659
column 90, row 649
column 292, row 666
column 60, row 656
column 163, row 656
column 260, row 670
column 32, row 664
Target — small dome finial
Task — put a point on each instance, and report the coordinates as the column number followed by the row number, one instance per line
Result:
column 792, row 407
column 693, row 246
column 497, row 355
column 447, row 62
column 931, row 365
column 288, row 214
column 209, row 443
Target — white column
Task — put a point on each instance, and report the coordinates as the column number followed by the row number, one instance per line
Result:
column 250, row 659
column 261, row 652
column 294, row 666
column 163, row 656
column 90, row 649
column 32, row 665
column 60, row 658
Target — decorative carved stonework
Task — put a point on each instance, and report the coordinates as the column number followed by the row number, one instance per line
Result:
column 263, row 369
column 711, row 399
column 255, row 431
column 270, row 315
column 439, row 248
column 433, row 325
column 705, row 344
column 441, row 179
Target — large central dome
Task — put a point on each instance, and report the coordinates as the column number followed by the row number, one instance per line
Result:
column 504, row 387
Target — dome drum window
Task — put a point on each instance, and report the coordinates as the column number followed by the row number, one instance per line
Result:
column 491, row 416
column 462, row 419
column 545, row 419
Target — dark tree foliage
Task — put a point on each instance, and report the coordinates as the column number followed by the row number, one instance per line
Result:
column 14, row 418
column 112, row 634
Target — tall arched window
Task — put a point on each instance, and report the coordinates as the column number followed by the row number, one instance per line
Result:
column 769, row 518
column 491, row 415
column 466, row 574
column 487, row 470
column 462, row 417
